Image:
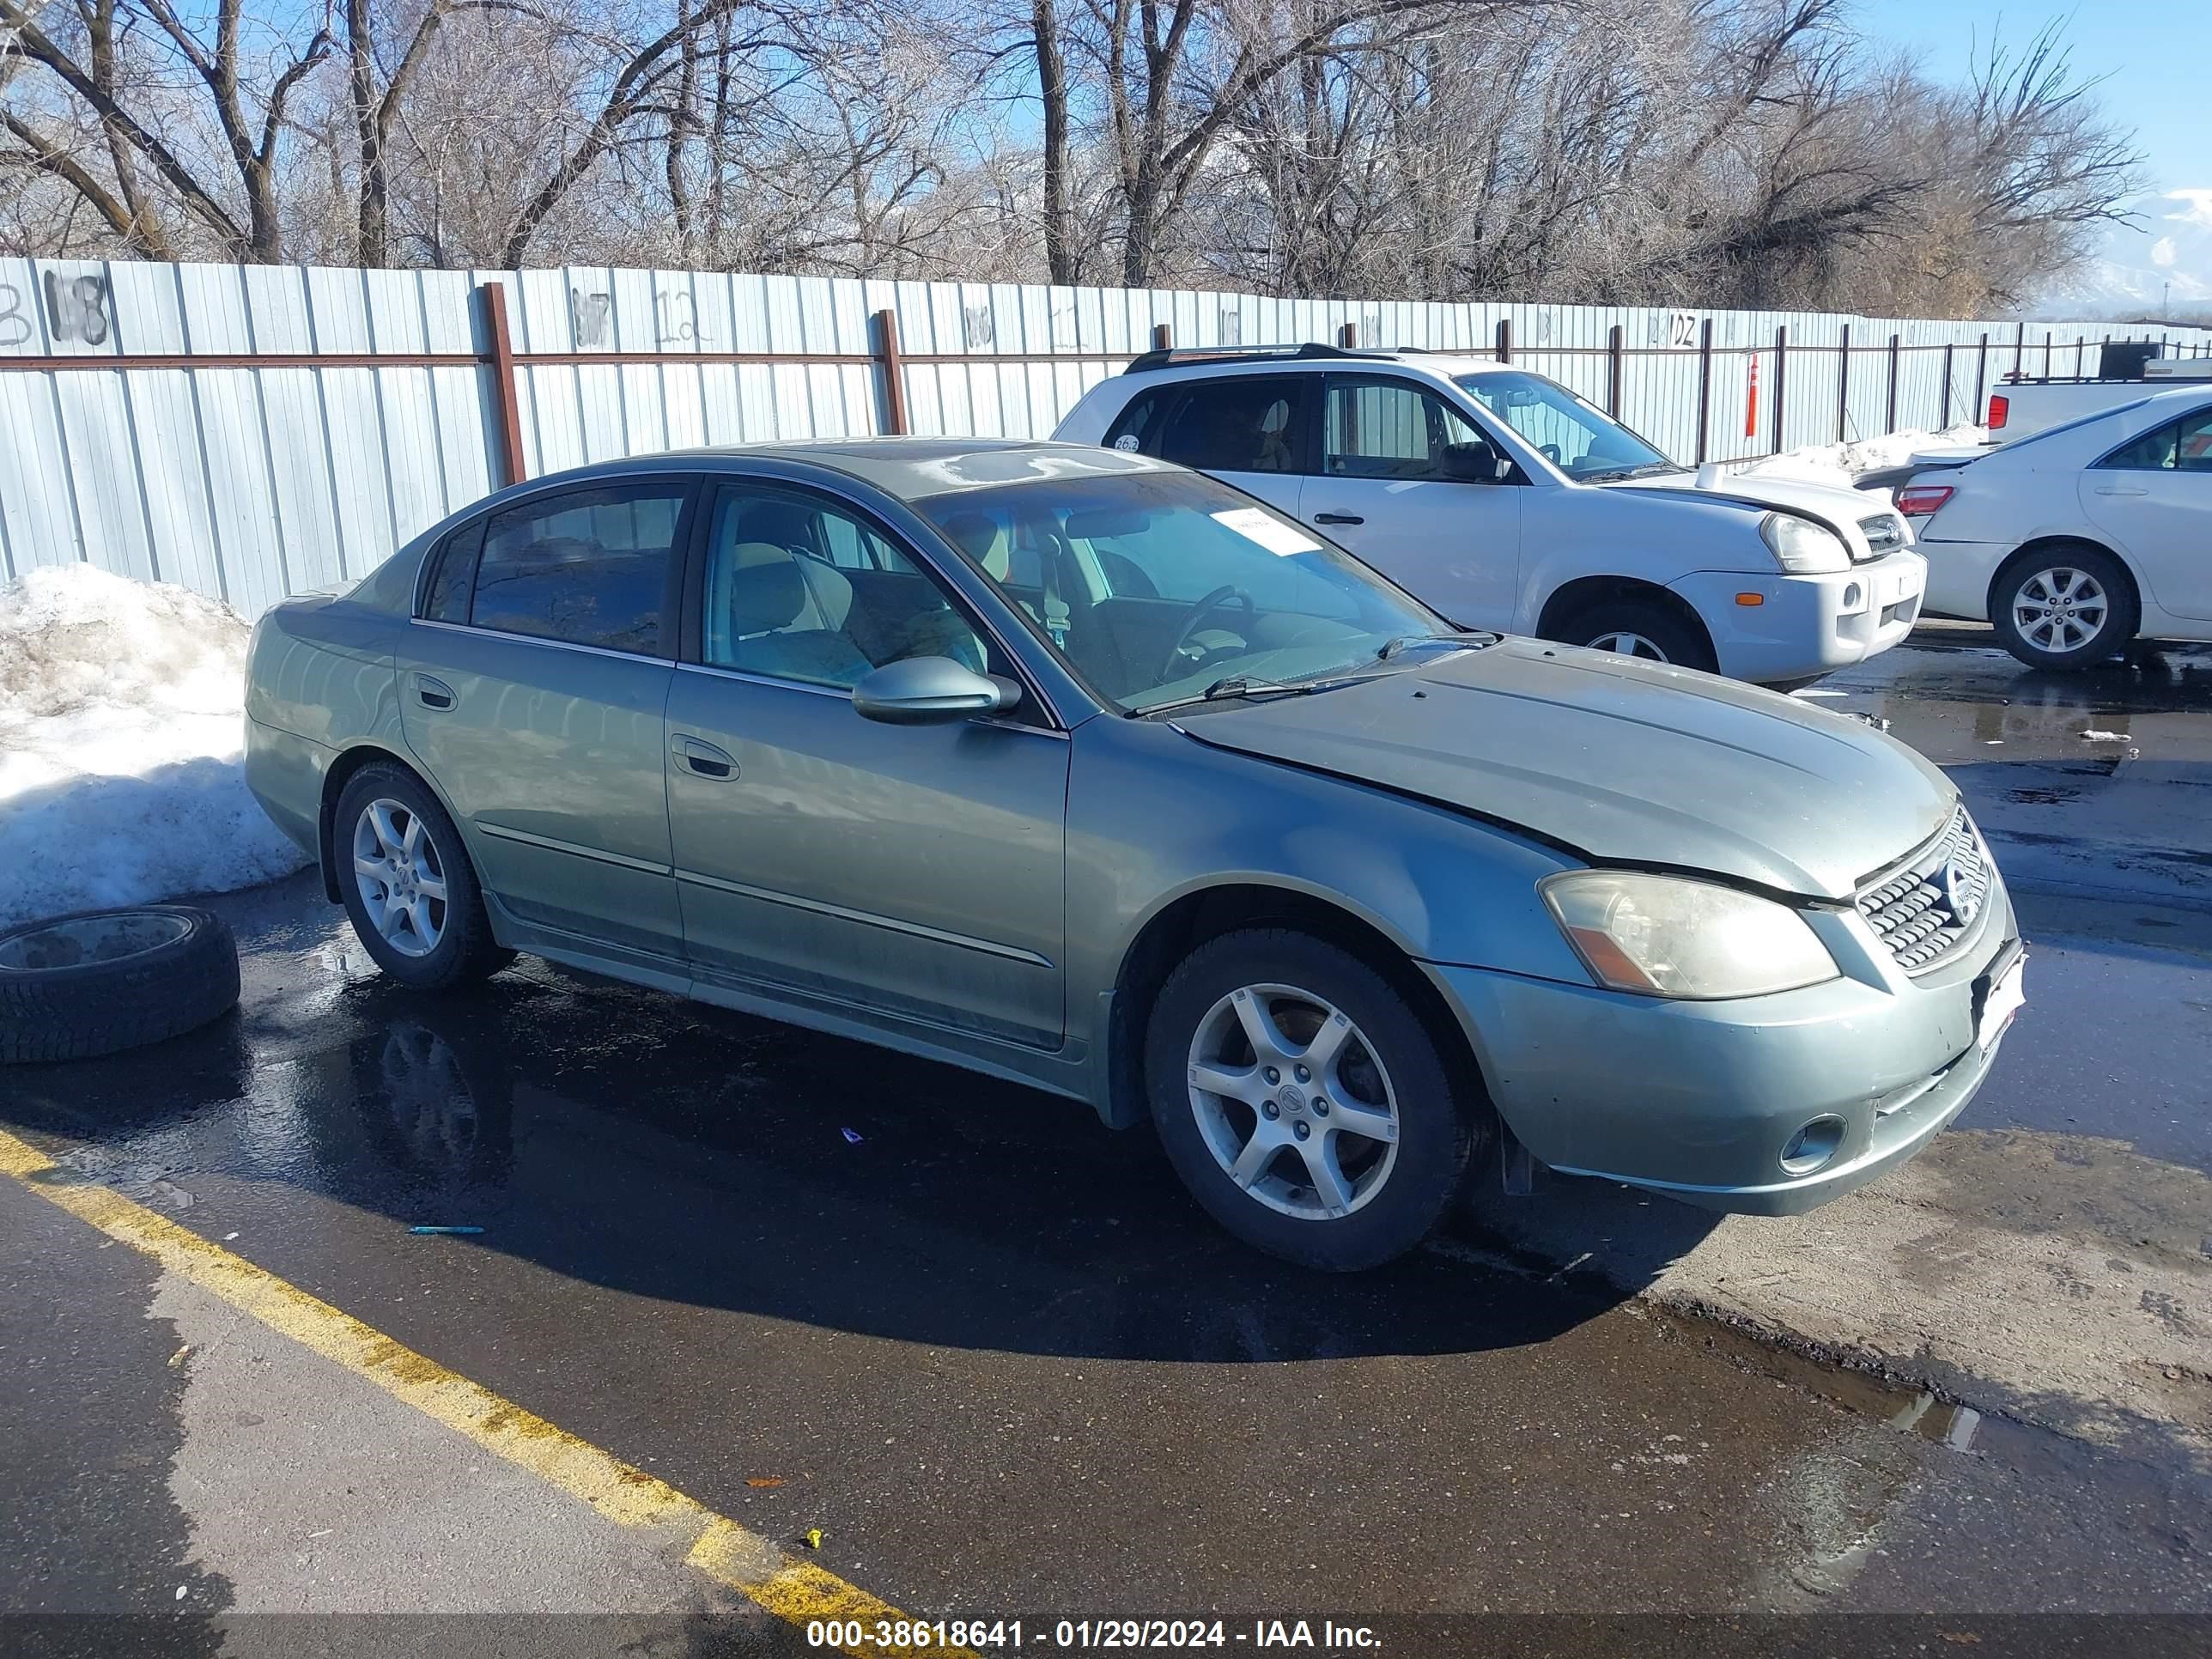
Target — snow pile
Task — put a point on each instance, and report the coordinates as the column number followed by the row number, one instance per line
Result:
column 1838, row 464
column 122, row 727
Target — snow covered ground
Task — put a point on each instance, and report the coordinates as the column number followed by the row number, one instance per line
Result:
column 122, row 724
column 1839, row 464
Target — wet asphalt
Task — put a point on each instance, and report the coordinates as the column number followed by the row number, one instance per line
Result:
column 993, row 1352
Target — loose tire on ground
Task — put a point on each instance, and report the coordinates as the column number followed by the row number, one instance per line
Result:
column 1635, row 628
column 99, row 980
column 388, row 817
column 1386, row 1057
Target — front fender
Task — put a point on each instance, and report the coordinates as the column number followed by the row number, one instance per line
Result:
column 1155, row 817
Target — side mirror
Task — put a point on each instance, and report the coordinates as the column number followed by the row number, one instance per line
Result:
column 931, row 690
column 1475, row 464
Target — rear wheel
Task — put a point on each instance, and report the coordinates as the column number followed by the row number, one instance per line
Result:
column 407, row 882
column 1303, row 1103
column 2067, row 605
column 1642, row 629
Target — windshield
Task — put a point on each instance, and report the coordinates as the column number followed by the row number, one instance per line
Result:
column 1157, row 586
column 1580, row 438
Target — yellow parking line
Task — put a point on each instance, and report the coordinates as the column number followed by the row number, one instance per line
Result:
column 794, row 1590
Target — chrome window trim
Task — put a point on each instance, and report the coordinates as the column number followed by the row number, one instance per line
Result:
column 539, row 639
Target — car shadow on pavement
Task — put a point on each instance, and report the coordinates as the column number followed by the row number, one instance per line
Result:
column 627, row 1139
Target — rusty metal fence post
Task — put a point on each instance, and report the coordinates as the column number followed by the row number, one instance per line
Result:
column 1347, row 336
column 1163, row 338
column 1616, row 354
column 1505, row 339
column 894, row 375
column 1896, row 349
column 508, row 401
column 1980, row 410
column 1946, row 419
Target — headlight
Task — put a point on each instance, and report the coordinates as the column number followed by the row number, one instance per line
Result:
column 1804, row 549
column 1661, row 936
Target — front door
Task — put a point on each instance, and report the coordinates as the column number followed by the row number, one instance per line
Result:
column 2154, row 498
column 1379, row 486
column 912, row 870
column 533, row 690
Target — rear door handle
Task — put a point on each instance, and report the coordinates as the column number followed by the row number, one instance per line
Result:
column 2122, row 490
column 1337, row 517
column 432, row 694
column 703, row 759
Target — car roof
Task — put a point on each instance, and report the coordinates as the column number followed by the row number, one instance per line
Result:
column 1203, row 363
column 913, row 469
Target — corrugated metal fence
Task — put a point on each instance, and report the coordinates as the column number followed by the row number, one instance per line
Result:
column 255, row 431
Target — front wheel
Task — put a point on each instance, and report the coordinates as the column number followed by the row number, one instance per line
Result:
column 1306, row 1105
column 408, row 886
column 2064, row 606
column 1637, row 628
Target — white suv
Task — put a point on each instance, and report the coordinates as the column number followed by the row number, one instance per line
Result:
column 1509, row 503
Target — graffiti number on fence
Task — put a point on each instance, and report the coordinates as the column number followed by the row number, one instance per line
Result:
column 976, row 326
column 1682, row 331
column 678, row 320
column 77, row 308
column 591, row 314
column 14, row 326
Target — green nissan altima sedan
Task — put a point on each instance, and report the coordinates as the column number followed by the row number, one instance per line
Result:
column 1071, row 767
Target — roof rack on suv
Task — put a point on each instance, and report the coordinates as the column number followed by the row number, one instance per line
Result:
column 1178, row 355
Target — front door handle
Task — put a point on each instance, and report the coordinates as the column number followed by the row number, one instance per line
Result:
column 1337, row 517
column 432, row 694
column 702, row 759
column 2122, row 490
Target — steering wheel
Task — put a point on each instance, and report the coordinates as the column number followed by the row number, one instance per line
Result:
column 1219, row 600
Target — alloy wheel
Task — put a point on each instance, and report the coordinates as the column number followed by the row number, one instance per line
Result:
column 2060, row 610
column 1292, row 1102
column 401, row 877
column 1623, row 644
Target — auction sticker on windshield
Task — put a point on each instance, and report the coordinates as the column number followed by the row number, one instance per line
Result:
column 1269, row 532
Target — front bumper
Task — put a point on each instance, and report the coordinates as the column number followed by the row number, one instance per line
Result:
column 1699, row 1100
column 1805, row 625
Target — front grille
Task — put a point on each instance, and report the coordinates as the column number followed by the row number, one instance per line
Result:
column 1924, row 906
column 1884, row 533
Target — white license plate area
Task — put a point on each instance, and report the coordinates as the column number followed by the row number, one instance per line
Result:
column 2005, row 998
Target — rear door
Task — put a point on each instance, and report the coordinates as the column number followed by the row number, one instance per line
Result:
column 2153, row 496
column 1378, row 486
column 532, row 689
column 1246, row 430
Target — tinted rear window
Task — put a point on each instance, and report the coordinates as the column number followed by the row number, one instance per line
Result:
column 589, row 567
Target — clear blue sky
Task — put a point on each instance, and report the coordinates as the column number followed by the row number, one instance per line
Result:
column 2156, row 57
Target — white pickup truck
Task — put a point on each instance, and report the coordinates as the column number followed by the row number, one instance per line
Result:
column 2020, row 406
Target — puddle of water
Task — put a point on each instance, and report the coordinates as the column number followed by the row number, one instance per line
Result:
column 1906, row 1408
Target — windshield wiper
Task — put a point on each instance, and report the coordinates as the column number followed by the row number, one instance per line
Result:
column 1231, row 686
column 1614, row 474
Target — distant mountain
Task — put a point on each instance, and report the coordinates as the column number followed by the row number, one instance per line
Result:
column 2170, row 243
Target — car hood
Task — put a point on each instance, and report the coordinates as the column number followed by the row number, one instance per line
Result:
column 1619, row 761
column 1841, row 510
